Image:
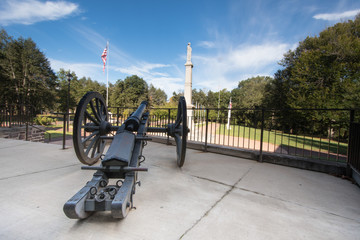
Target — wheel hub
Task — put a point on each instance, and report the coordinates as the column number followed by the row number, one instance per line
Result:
column 105, row 128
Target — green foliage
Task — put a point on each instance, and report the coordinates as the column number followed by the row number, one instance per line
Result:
column 129, row 92
column 250, row 92
column 26, row 76
column 199, row 97
column 175, row 98
column 157, row 97
column 78, row 88
column 322, row 72
column 43, row 120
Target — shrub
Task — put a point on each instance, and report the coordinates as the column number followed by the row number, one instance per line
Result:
column 43, row 120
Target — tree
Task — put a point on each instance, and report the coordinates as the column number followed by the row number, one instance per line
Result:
column 27, row 77
column 175, row 98
column 322, row 72
column 157, row 96
column 198, row 98
column 6, row 95
column 250, row 92
column 129, row 92
column 62, row 91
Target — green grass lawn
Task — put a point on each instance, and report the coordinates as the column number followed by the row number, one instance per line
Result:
column 56, row 131
column 289, row 140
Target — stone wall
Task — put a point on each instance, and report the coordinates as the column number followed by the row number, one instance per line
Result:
column 35, row 134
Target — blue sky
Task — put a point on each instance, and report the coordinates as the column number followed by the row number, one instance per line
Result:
column 231, row 40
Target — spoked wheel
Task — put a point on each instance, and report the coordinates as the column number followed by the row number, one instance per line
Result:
column 90, row 123
column 179, row 131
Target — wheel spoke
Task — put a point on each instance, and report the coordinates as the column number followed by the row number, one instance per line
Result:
column 91, row 145
column 94, row 110
column 96, row 147
column 91, row 117
column 97, row 102
column 178, row 121
column 102, row 113
column 178, row 145
column 103, row 144
column 91, row 127
column 178, row 116
column 90, row 136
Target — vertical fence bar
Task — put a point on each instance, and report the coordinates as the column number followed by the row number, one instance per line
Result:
column 224, row 132
column 27, row 132
column 10, row 116
column 206, row 128
column 348, row 168
column 329, row 136
column 352, row 116
column 262, row 134
column 211, row 125
column 64, row 132
column 117, row 116
column 338, row 145
column 275, row 140
column 168, row 137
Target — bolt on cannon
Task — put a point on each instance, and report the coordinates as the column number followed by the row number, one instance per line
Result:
column 121, row 161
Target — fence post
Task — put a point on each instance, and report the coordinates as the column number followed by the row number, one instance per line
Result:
column 27, row 132
column 262, row 134
column 168, row 138
column 206, row 128
column 64, row 131
column 117, row 116
column 10, row 116
column 348, row 168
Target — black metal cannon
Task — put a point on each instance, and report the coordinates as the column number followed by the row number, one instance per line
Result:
column 92, row 130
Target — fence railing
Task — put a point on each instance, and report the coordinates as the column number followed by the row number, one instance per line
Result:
column 16, row 115
column 311, row 133
column 354, row 152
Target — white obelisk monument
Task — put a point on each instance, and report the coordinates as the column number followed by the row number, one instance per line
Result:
column 188, row 86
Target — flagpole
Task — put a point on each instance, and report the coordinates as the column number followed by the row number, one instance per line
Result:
column 107, row 75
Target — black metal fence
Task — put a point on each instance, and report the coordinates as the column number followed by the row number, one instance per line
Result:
column 354, row 149
column 16, row 115
column 312, row 133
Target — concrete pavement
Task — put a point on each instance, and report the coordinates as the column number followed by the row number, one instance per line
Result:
column 211, row 197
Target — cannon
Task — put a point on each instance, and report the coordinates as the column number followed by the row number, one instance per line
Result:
column 121, row 162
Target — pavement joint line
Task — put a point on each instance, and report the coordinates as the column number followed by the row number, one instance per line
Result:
column 211, row 180
column 41, row 171
column 232, row 187
column 264, row 195
column 295, row 203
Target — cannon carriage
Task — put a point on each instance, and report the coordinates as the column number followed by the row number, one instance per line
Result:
column 121, row 162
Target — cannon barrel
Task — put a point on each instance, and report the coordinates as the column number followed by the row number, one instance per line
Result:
column 133, row 122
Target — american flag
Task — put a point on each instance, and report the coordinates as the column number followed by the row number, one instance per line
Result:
column 103, row 57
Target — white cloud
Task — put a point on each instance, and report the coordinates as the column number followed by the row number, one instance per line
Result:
column 32, row 11
column 91, row 70
column 142, row 69
column 229, row 66
column 256, row 56
column 206, row 44
column 159, row 75
column 336, row 16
